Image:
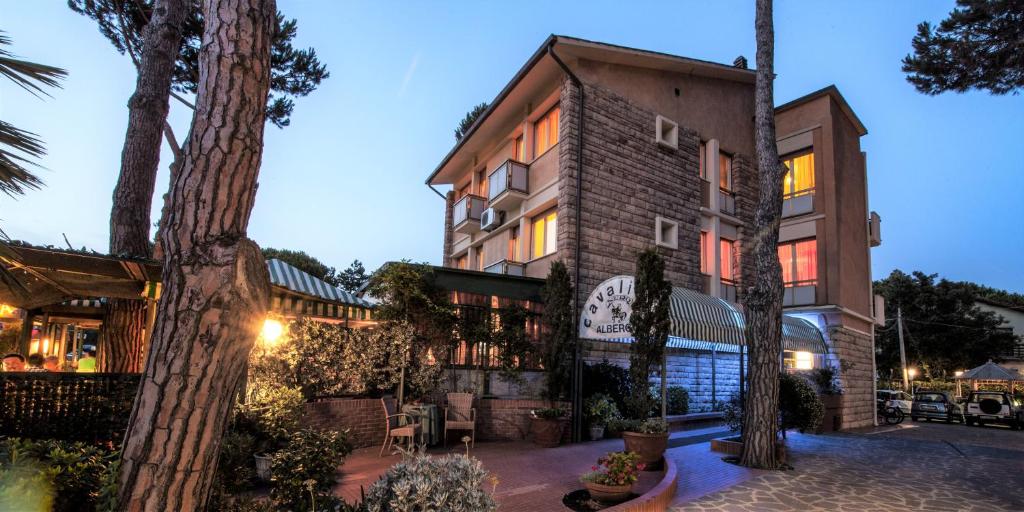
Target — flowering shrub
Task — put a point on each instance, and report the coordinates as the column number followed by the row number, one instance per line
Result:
column 615, row 468
column 420, row 482
column 601, row 410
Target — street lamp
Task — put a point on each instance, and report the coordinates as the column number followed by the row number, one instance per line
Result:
column 911, row 372
column 958, row 374
column 272, row 330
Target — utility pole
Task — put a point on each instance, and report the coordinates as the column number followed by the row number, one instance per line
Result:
column 903, row 350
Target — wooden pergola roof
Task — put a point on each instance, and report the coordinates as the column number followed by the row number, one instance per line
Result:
column 50, row 276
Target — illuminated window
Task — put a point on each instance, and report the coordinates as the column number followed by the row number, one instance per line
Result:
column 545, row 131
column 545, row 232
column 702, row 165
column 725, row 261
column 481, row 183
column 797, row 360
column 519, row 149
column 480, row 258
column 724, row 171
column 800, row 178
column 513, row 244
column 705, row 253
column 799, row 262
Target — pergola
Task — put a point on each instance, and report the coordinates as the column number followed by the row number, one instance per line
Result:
column 991, row 373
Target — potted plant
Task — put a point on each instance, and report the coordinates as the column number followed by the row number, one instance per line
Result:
column 648, row 439
column 547, row 426
column 831, row 393
column 601, row 411
column 611, row 480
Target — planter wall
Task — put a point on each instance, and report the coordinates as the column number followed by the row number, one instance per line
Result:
column 833, row 418
column 362, row 417
column 509, row 420
column 658, row 498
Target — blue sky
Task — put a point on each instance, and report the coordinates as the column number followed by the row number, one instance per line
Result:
column 345, row 181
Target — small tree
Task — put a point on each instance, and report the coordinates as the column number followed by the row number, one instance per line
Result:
column 799, row 405
column 649, row 324
column 560, row 342
column 352, row 277
column 467, row 122
column 510, row 342
column 406, row 292
column 977, row 47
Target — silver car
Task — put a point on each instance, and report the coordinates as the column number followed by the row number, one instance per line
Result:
column 935, row 405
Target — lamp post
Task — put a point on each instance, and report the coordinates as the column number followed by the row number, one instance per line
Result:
column 911, row 372
column 958, row 374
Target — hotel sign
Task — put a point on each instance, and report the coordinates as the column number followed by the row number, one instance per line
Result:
column 606, row 312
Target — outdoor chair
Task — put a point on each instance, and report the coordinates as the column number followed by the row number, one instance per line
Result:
column 393, row 429
column 460, row 415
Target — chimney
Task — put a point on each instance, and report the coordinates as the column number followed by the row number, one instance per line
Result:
column 740, row 62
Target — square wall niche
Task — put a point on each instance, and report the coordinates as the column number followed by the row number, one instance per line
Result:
column 666, row 132
column 666, row 233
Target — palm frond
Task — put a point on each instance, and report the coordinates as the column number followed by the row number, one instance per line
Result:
column 6, row 277
column 14, row 176
column 30, row 76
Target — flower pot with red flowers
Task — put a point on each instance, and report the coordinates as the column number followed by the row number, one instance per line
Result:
column 648, row 439
column 547, row 426
column 612, row 479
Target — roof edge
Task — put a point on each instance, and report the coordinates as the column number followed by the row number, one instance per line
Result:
column 832, row 91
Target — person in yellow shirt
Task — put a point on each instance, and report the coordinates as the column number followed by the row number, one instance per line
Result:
column 87, row 364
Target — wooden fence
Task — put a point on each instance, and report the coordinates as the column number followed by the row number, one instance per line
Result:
column 89, row 407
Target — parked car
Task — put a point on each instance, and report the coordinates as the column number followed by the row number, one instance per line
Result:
column 994, row 407
column 897, row 399
column 935, row 405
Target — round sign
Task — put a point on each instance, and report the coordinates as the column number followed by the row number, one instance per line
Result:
column 606, row 312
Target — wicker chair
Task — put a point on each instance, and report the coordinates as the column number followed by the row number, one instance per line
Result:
column 460, row 415
column 410, row 430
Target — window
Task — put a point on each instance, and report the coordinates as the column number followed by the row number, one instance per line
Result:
column 797, row 360
column 799, row 261
column 480, row 258
column 703, row 165
column 545, row 131
column 513, row 244
column 545, row 233
column 725, row 259
column 724, row 171
column 462, row 261
column 800, row 178
column 666, row 233
column 519, row 149
column 463, row 192
column 705, row 253
column 481, row 183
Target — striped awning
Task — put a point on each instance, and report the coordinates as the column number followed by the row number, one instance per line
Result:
column 84, row 303
column 703, row 322
column 287, row 276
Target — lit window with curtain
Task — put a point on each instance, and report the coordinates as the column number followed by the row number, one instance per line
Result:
column 545, row 131
column 545, row 232
column 724, row 171
column 519, row 149
column 799, row 179
column 725, row 260
column 513, row 244
column 705, row 254
column 799, row 261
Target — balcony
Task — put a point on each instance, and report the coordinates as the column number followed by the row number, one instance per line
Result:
column 466, row 214
column 799, row 293
column 727, row 201
column 727, row 290
column 798, row 203
column 506, row 267
column 508, row 185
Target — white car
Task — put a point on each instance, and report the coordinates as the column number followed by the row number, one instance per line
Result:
column 897, row 399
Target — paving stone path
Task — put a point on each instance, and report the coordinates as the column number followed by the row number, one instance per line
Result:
column 866, row 473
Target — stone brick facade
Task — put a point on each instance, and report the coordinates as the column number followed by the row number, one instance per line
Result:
column 854, row 352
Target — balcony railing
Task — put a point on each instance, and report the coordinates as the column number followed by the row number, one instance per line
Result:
column 727, row 201
column 506, row 267
column 798, row 203
column 466, row 213
column 727, row 290
column 800, row 293
column 508, row 185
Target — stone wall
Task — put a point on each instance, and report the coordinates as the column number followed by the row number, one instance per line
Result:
column 856, row 375
column 691, row 369
column 362, row 417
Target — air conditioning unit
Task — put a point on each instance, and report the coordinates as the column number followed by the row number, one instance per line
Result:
column 491, row 219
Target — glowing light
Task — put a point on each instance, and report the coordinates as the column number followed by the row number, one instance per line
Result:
column 912, row 372
column 958, row 373
column 804, row 361
column 272, row 331
column 7, row 310
column 46, row 346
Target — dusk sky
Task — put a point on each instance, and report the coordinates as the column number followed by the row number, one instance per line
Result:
column 345, row 180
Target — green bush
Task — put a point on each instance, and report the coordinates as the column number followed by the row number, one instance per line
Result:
column 270, row 414
column 419, row 482
column 732, row 413
column 799, row 404
column 304, row 471
column 678, row 400
column 605, row 378
column 54, row 475
column 648, row 426
column 827, row 380
column 236, row 468
column 601, row 410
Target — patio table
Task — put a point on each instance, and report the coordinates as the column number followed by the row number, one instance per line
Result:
column 429, row 419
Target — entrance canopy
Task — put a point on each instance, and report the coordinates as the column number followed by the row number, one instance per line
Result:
column 992, row 372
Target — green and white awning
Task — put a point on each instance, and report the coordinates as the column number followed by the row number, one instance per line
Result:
column 287, row 276
column 800, row 335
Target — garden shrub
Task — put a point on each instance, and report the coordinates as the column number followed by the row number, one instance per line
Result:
column 732, row 413
column 54, row 475
column 799, row 404
column 236, row 468
column 826, row 380
column 678, row 400
column 608, row 379
column 304, row 471
column 270, row 414
column 420, row 482
column 601, row 410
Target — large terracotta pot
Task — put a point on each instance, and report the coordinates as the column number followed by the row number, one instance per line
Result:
column 609, row 493
column 547, row 433
column 650, row 447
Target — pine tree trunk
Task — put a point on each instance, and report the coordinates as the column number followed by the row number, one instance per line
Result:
column 764, row 300
column 121, row 347
column 140, row 157
column 215, row 283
